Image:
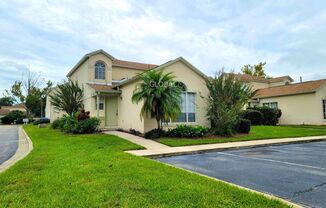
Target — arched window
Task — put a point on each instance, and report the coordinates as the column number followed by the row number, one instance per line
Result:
column 188, row 106
column 99, row 70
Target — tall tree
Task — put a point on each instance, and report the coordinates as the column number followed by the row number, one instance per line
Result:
column 161, row 96
column 227, row 96
column 67, row 97
column 257, row 70
column 32, row 91
column 7, row 101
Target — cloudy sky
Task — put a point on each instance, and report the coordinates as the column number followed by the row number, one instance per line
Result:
column 51, row 36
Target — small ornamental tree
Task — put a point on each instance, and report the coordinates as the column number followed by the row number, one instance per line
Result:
column 227, row 96
column 68, row 97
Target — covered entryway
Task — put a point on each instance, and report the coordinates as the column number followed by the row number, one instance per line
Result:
column 111, row 111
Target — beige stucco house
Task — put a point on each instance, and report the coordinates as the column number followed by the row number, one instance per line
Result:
column 300, row 103
column 109, row 84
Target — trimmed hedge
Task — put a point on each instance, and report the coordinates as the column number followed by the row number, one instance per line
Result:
column 270, row 115
column 187, row 131
column 243, row 126
column 155, row 133
column 254, row 116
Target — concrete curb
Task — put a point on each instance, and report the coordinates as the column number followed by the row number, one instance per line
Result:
column 270, row 196
column 25, row 146
column 196, row 149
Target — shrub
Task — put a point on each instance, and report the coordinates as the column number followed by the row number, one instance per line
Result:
column 155, row 133
column 57, row 124
column 15, row 115
column 243, row 126
column 255, row 116
column 187, row 131
column 82, row 115
column 134, row 132
column 7, row 120
column 270, row 115
column 87, row 126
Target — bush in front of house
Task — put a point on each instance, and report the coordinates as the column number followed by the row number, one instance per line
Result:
column 255, row 116
column 15, row 115
column 58, row 123
column 243, row 126
column 79, row 123
column 186, row 131
column 134, row 132
column 270, row 115
column 155, row 133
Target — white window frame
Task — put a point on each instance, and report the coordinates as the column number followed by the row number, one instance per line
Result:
column 101, row 101
column 99, row 73
column 269, row 104
column 187, row 119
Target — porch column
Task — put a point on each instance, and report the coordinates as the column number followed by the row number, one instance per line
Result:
column 97, row 106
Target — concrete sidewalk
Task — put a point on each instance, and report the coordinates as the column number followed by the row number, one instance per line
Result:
column 155, row 149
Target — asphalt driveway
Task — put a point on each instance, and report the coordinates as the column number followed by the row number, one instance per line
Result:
column 8, row 142
column 295, row 172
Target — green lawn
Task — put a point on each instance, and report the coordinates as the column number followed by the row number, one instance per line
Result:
column 93, row 171
column 256, row 133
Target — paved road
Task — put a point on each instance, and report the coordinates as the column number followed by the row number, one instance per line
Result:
column 8, row 142
column 295, row 172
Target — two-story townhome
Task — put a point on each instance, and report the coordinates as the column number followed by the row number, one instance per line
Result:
column 109, row 83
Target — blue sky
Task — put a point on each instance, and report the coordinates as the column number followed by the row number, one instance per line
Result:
column 51, row 36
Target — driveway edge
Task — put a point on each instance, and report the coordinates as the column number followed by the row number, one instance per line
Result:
column 270, row 196
column 25, row 146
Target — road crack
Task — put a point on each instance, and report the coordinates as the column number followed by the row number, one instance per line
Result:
column 297, row 193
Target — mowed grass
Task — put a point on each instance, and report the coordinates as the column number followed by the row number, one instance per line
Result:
column 94, row 171
column 256, row 133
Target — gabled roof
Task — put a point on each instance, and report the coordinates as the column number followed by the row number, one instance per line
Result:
column 290, row 89
column 115, row 62
column 166, row 64
column 16, row 106
column 249, row 78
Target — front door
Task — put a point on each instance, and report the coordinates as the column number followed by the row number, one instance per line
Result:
column 111, row 111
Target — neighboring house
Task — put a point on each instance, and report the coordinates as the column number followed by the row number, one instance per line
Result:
column 4, row 112
column 109, row 84
column 300, row 103
column 20, row 107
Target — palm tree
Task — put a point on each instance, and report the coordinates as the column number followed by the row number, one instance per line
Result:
column 68, row 97
column 161, row 96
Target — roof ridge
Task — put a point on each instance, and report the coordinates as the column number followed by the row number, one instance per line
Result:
column 295, row 84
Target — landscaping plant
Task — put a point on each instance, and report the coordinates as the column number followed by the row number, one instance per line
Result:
column 255, row 116
column 186, row 131
column 15, row 115
column 227, row 96
column 67, row 97
column 270, row 115
column 160, row 94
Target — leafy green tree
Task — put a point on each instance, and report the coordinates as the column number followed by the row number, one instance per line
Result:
column 7, row 101
column 227, row 96
column 67, row 97
column 161, row 96
column 31, row 91
column 257, row 70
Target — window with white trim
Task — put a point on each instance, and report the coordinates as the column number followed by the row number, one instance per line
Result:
column 99, row 70
column 188, row 108
column 271, row 104
column 324, row 108
column 101, row 103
